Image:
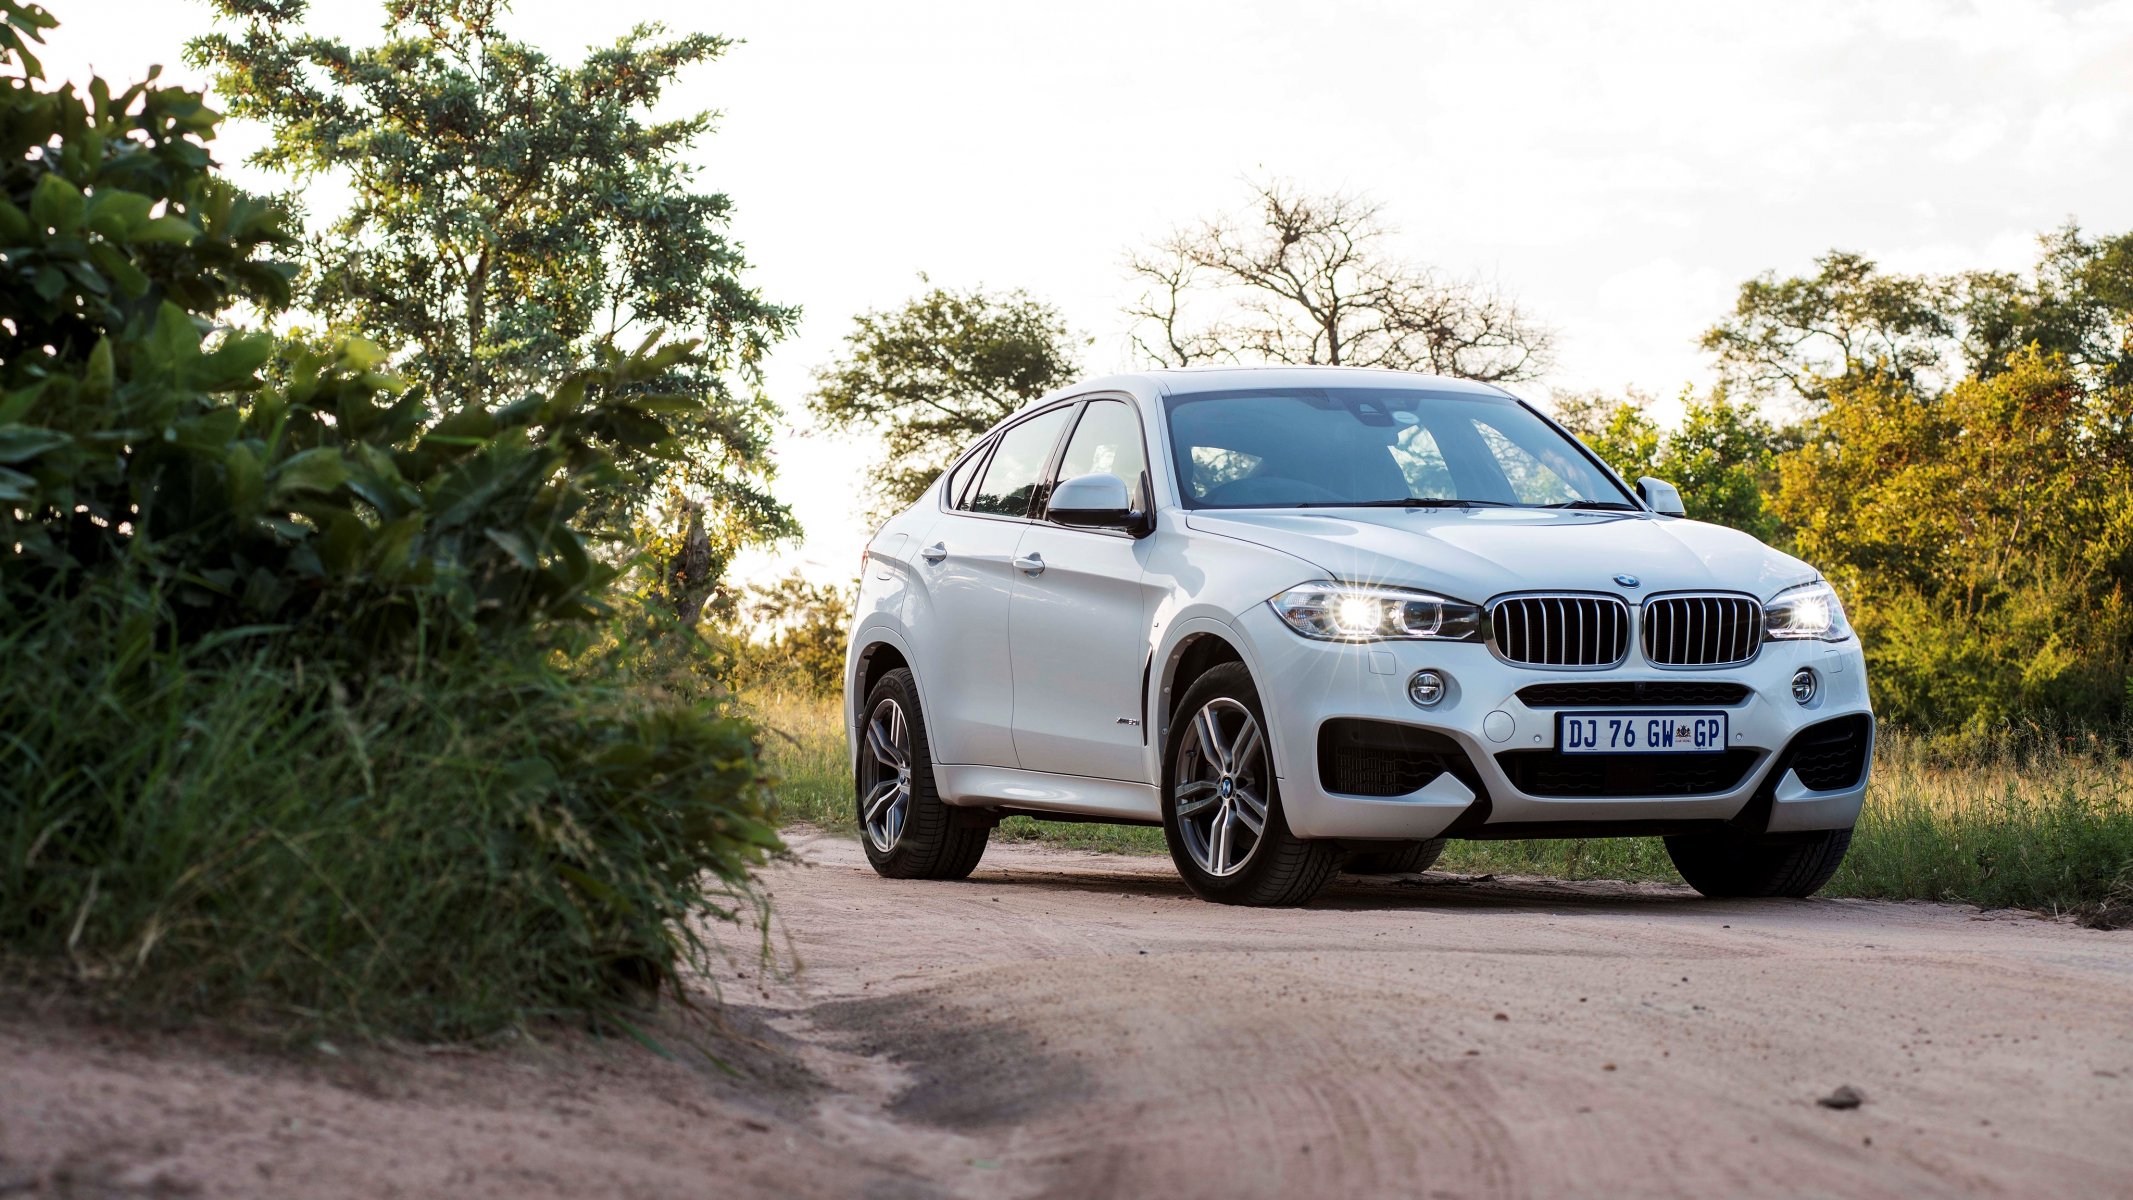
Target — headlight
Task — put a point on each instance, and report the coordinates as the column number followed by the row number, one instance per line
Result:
column 1341, row 612
column 1810, row 611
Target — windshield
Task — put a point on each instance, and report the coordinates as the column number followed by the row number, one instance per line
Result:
column 1329, row 447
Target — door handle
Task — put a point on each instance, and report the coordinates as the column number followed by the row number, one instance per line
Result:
column 934, row 553
column 1030, row 564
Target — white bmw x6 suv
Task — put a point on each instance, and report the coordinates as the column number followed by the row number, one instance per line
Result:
column 1315, row 619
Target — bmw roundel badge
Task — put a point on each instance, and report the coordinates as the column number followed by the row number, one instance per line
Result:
column 1628, row 581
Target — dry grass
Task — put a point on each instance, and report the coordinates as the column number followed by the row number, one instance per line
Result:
column 2026, row 821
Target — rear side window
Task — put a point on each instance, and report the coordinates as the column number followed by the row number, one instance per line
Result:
column 955, row 491
column 1017, row 465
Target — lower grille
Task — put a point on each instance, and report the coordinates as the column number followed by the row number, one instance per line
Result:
column 1631, row 693
column 1553, row 773
column 1832, row 755
column 1381, row 758
column 1702, row 631
column 1560, row 631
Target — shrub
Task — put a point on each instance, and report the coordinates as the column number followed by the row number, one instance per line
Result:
column 304, row 718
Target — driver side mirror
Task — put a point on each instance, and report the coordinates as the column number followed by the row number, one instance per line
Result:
column 1661, row 497
column 1096, row 502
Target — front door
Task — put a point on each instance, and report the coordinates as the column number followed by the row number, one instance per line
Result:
column 1080, row 619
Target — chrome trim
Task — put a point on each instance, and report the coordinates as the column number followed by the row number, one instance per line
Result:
column 1681, row 633
column 1565, row 605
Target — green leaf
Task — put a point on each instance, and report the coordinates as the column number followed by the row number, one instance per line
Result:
column 313, row 471
column 244, row 476
column 14, row 485
column 114, row 212
column 20, row 443
column 57, row 205
column 176, row 231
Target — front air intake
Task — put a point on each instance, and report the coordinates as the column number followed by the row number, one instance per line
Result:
column 1560, row 631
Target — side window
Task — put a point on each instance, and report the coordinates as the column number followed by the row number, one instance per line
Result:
column 1017, row 466
column 1107, row 440
column 955, row 492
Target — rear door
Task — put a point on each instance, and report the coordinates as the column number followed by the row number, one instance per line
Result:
column 1080, row 618
column 966, row 580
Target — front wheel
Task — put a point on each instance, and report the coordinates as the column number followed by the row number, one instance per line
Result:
column 905, row 828
column 1728, row 863
column 1222, row 813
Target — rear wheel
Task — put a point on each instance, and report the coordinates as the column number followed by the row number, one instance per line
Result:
column 1222, row 812
column 1395, row 858
column 1731, row 863
column 905, row 828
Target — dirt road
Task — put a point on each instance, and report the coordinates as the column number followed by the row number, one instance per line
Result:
column 1077, row 1025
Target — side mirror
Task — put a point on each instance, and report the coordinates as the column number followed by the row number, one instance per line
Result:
column 1096, row 502
column 1661, row 497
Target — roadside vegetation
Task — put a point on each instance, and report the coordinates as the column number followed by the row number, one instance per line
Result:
column 2035, row 822
column 336, row 697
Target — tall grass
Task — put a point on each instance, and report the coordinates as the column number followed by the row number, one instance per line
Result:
column 458, row 849
column 2033, row 820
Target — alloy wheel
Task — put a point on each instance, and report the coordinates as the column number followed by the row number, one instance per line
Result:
column 885, row 775
column 1221, row 787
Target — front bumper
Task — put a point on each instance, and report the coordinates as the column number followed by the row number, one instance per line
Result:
column 1304, row 684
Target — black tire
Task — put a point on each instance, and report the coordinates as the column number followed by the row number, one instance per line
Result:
column 931, row 843
column 1280, row 869
column 1733, row 864
column 1395, row 858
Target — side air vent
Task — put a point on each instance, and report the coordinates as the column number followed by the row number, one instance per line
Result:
column 1702, row 631
column 1560, row 631
column 1383, row 758
column 1832, row 755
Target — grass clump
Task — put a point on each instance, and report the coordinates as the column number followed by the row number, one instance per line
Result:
column 440, row 854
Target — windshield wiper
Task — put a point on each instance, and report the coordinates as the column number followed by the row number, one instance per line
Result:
column 1409, row 502
column 1593, row 505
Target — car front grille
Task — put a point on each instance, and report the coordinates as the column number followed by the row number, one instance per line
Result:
column 1382, row 758
column 1632, row 693
column 1832, row 754
column 1561, row 631
column 1702, row 631
column 1553, row 773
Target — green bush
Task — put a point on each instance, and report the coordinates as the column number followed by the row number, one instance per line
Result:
column 307, row 717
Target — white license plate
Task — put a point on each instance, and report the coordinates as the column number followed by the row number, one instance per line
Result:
column 1644, row 732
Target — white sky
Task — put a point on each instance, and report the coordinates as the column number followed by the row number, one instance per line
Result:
column 1620, row 168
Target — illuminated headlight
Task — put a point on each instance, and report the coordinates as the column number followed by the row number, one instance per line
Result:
column 1809, row 612
column 1340, row 612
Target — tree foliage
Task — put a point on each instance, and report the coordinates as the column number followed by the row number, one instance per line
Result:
column 1310, row 278
column 512, row 213
column 1795, row 337
column 1723, row 454
column 1985, row 538
column 300, row 720
column 936, row 372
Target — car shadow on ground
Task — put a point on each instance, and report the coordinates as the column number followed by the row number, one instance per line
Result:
column 1429, row 890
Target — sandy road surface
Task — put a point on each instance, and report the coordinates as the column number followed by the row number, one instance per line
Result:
column 1077, row 1025
column 1089, row 1029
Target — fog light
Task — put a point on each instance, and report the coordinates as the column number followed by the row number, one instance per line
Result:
column 1803, row 685
column 1426, row 688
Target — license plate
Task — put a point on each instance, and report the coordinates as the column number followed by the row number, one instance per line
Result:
column 1644, row 732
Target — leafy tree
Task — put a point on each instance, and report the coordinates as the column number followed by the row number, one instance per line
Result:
column 937, row 372
column 803, row 627
column 1723, row 455
column 513, row 213
column 1309, row 278
column 1984, row 536
column 299, row 724
column 1796, row 337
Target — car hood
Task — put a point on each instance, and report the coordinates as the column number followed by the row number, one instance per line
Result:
column 1475, row 554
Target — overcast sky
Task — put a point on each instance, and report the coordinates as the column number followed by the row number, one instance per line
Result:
column 1619, row 168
